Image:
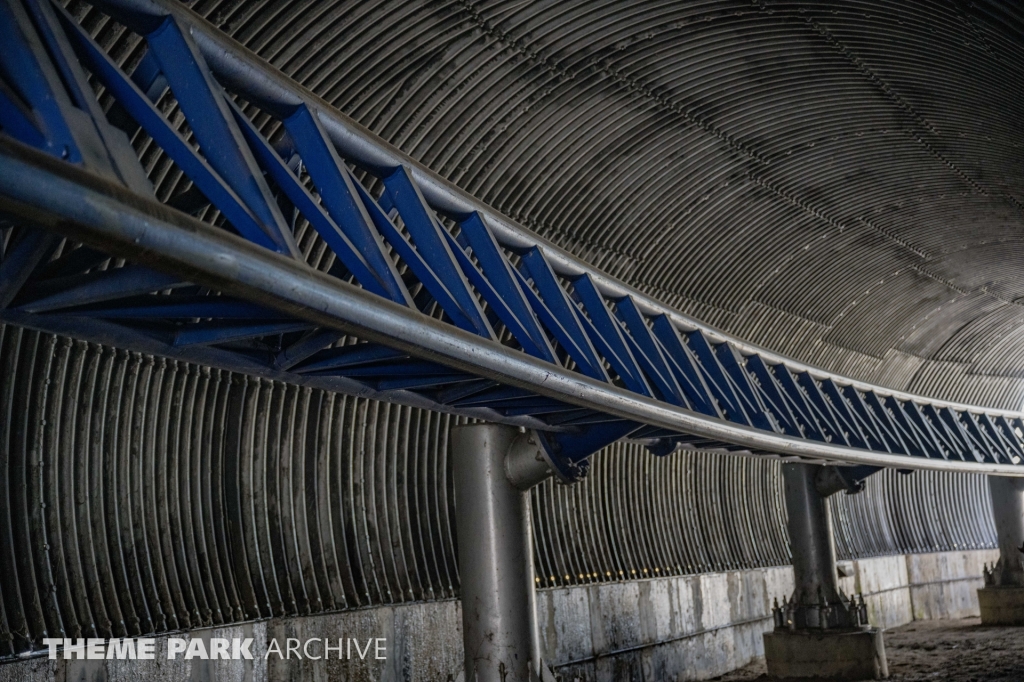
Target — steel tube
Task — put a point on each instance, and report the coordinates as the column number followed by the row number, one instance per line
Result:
column 57, row 196
column 245, row 72
column 499, row 628
column 1008, row 513
column 810, row 536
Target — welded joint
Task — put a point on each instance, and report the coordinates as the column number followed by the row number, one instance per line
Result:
column 527, row 461
column 832, row 479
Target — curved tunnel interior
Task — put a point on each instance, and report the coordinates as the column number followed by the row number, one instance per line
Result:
column 840, row 183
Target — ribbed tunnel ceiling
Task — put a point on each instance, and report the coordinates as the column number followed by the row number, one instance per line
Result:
column 843, row 184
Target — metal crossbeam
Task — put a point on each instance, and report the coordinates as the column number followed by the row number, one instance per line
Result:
column 418, row 293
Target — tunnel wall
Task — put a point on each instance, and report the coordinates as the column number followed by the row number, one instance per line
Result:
column 684, row 627
column 141, row 495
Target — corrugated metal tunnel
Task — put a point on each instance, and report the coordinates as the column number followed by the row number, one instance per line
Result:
column 146, row 496
column 841, row 183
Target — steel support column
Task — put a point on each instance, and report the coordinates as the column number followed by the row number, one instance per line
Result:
column 819, row 632
column 812, row 544
column 496, row 550
column 1002, row 598
column 1008, row 513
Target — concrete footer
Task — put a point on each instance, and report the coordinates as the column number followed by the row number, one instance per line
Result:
column 845, row 655
column 1001, row 605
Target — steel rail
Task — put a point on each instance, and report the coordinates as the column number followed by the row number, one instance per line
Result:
column 246, row 73
column 59, row 197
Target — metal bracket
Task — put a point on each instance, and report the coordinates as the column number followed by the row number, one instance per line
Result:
column 832, row 479
column 527, row 463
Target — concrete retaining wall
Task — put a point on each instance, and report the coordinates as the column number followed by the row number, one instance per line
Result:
column 685, row 628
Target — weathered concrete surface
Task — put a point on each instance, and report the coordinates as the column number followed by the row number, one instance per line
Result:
column 944, row 585
column 900, row 589
column 685, row 628
column 1001, row 605
column 885, row 584
column 424, row 642
column 847, row 656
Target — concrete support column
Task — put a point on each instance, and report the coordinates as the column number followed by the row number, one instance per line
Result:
column 819, row 633
column 496, row 551
column 1002, row 598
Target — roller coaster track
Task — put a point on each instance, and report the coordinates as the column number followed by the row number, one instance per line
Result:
column 300, row 247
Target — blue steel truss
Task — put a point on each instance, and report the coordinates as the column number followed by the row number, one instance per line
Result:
column 460, row 271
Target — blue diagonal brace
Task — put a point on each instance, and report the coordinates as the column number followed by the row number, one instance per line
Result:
column 685, row 367
column 881, row 430
column 367, row 262
column 955, row 441
column 510, row 303
column 203, row 335
column 798, row 402
column 881, row 413
column 742, row 386
column 774, row 399
column 431, row 281
column 1011, row 437
column 716, row 378
column 985, row 446
column 350, row 356
column 829, row 419
column 107, row 148
column 21, row 259
column 181, row 307
column 17, row 120
column 951, row 419
column 338, row 194
column 650, row 354
column 558, row 314
column 606, row 335
column 859, row 434
column 311, row 343
column 499, row 304
column 152, row 121
column 934, row 435
column 27, row 70
column 106, row 285
column 1003, row 446
column 910, row 434
column 402, row 194
column 202, row 101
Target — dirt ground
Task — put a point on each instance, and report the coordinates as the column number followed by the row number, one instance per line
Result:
column 942, row 650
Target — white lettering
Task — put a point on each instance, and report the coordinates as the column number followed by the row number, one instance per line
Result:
column 78, row 649
column 175, row 646
column 328, row 648
column 240, row 649
column 196, row 649
column 314, row 649
column 305, row 649
column 121, row 649
column 219, row 648
column 146, row 649
column 362, row 654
